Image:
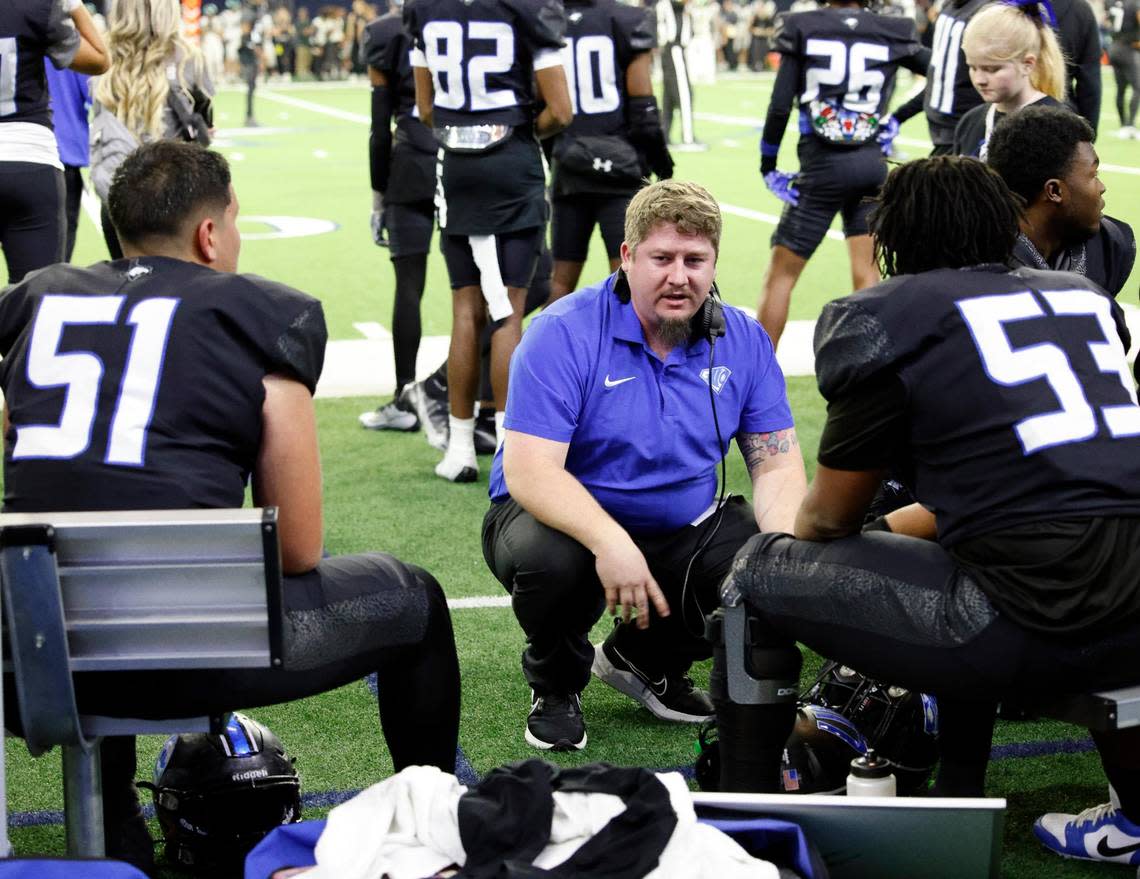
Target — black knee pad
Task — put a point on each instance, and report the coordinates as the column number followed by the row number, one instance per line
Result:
column 750, row 666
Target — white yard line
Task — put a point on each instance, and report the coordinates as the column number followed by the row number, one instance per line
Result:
column 479, row 601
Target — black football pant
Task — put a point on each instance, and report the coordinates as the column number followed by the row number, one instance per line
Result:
column 557, row 597
column 1126, row 71
column 110, row 236
column 900, row 610
column 351, row 616
column 73, row 182
column 32, row 230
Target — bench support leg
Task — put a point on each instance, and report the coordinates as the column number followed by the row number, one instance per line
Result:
column 83, row 801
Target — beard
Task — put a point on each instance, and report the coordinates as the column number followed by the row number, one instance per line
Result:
column 674, row 331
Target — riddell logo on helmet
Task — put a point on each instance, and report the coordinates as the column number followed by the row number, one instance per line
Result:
column 250, row 775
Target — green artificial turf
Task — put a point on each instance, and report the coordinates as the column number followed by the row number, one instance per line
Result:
column 380, row 492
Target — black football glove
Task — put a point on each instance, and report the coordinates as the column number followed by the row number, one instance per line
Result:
column 646, row 133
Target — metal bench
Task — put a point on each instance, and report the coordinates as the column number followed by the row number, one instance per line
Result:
column 1102, row 712
column 115, row 591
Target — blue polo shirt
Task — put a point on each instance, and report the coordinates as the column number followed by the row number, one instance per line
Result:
column 70, row 99
column 640, row 429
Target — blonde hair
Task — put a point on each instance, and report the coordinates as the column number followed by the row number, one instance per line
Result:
column 1009, row 33
column 144, row 37
column 688, row 206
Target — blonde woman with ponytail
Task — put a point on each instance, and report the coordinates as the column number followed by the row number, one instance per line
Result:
column 157, row 87
column 1014, row 60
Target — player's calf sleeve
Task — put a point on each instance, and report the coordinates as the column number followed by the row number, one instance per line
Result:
column 754, row 686
column 411, row 275
column 418, row 689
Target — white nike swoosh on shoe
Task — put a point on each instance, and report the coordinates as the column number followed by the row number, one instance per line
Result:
column 613, row 383
column 657, row 687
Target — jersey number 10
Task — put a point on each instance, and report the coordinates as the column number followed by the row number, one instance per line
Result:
column 590, row 92
column 82, row 373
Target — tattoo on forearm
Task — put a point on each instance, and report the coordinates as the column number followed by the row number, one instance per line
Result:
column 759, row 447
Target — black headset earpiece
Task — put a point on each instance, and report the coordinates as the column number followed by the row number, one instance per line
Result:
column 621, row 287
column 708, row 323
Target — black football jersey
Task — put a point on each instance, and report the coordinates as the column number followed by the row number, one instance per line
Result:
column 31, row 30
column 386, row 47
column 949, row 92
column 602, row 38
column 848, row 57
column 1106, row 259
column 138, row 383
column 1020, row 403
column 481, row 55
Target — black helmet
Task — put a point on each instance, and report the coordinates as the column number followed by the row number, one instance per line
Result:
column 899, row 724
column 216, row 796
column 819, row 752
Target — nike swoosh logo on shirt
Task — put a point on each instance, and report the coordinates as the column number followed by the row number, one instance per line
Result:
column 613, row 383
column 1106, row 850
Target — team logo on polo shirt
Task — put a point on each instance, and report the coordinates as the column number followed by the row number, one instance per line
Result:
column 719, row 378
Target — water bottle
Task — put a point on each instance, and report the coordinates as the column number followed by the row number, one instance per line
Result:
column 871, row 776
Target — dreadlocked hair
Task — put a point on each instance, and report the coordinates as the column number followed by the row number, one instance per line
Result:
column 943, row 212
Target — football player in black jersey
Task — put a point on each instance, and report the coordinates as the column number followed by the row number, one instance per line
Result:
column 165, row 380
column 1007, row 397
column 1046, row 155
column 33, row 230
column 948, row 92
column 403, row 192
column 837, row 67
column 482, row 70
column 615, row 140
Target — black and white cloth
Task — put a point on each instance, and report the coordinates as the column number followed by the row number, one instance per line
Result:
column 529, row 819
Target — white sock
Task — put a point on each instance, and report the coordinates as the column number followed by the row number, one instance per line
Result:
column 460, row 454
column 500, row 431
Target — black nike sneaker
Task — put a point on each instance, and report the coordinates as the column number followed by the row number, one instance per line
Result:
column 555, row 722
column 486, row 439
column 667, row 697
column 429, row 403
column 1101, row 833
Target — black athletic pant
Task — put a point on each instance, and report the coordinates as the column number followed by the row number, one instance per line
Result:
column 249, row 77
column 678, row 94
column 900, row 610
column 557, row 597
column 1126, row 70
column 351, row 616
column 32, row 221
column 73, row 182
column 110, row 236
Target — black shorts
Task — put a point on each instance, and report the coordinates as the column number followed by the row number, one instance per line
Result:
column 573, row 221
column 832, row 180
column 518, row 254
column 500, row 190
column 409, row 228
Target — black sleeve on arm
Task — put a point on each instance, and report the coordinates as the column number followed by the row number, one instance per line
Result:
column 917, row 63
column 643, row 122
column 380, row 138
column 865, row 428
column 779, row 109
column 911, row 108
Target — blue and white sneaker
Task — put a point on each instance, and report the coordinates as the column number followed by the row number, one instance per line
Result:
column 1101, row 833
